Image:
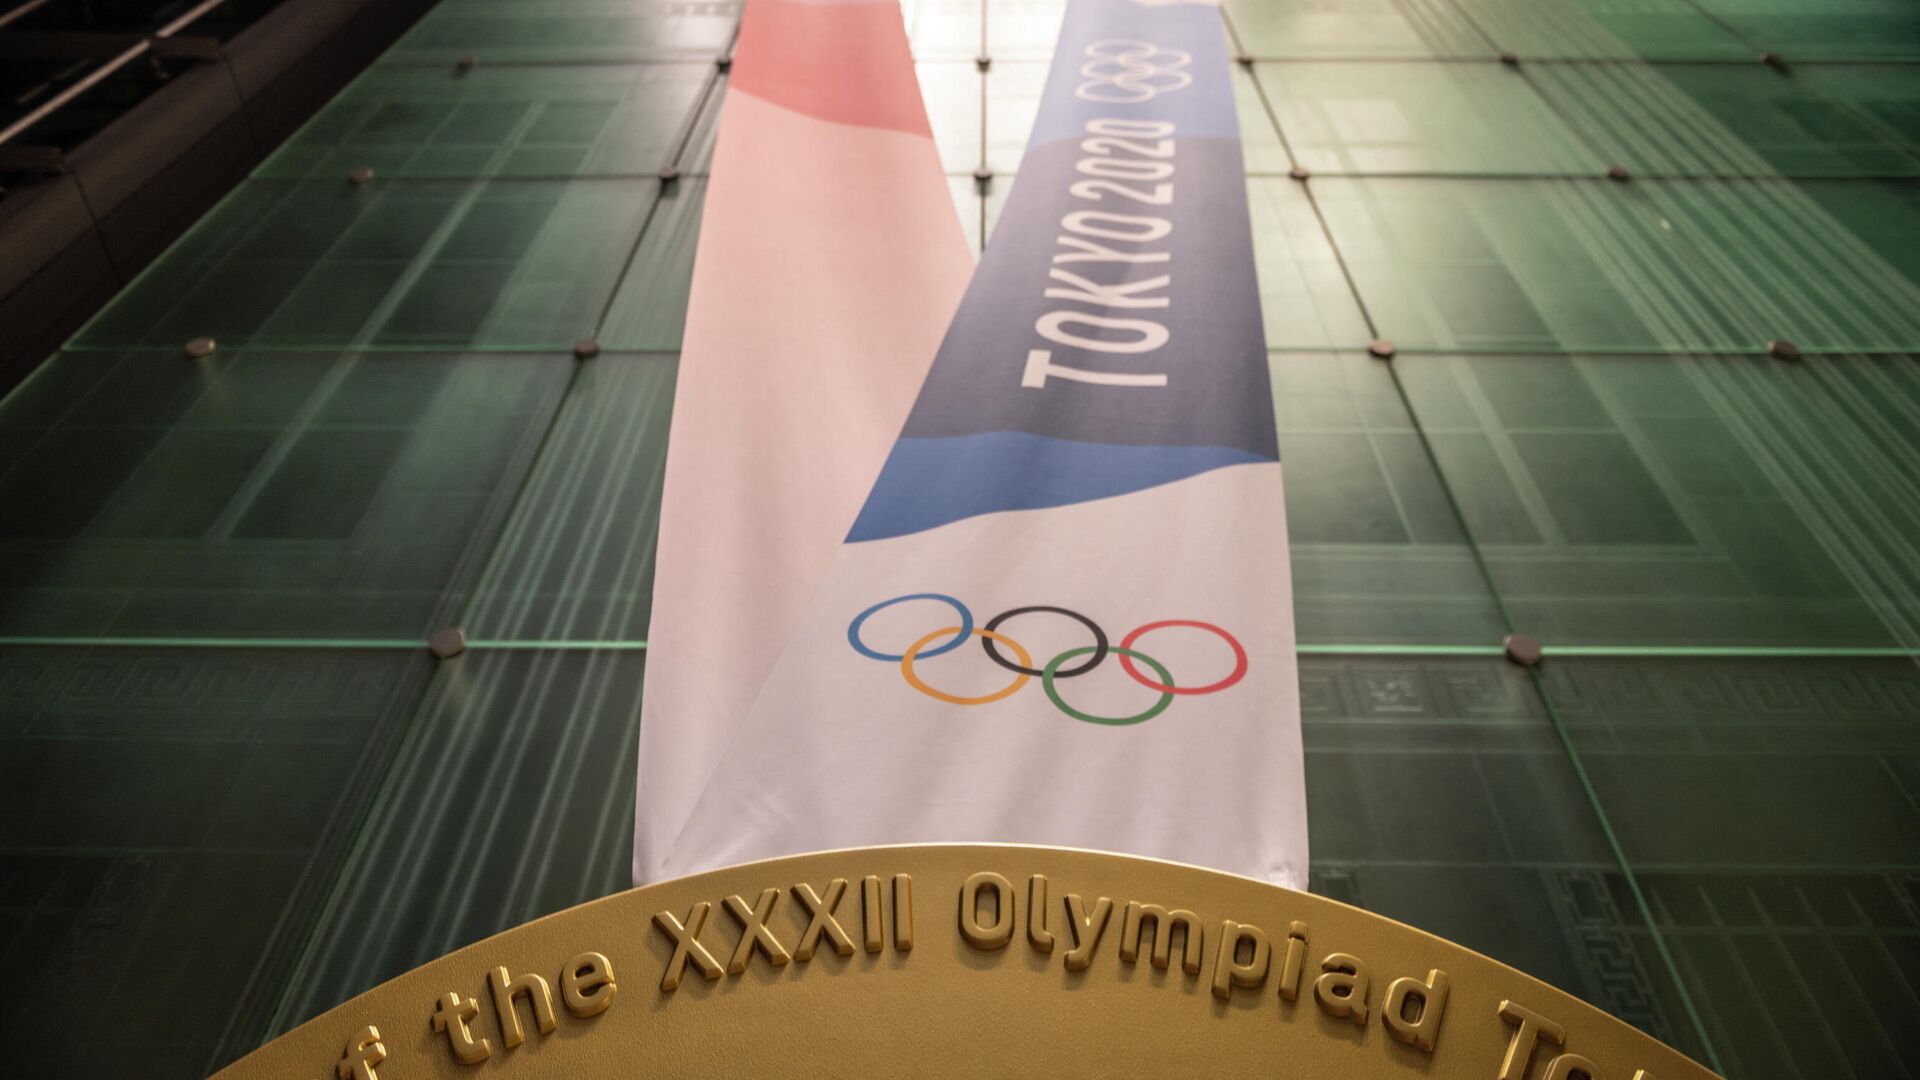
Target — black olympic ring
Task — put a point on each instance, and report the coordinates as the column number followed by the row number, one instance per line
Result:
column 1099, row 642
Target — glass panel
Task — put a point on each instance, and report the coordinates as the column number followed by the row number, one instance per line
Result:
column 517, row 784
column 1378, row 554
column 1420, row 118
column 952, row 92
column 650, row 311
column 1720, row 119
column 1889, row 94
column 1024, row 29
column 1496, row 264
column 1571, row 265
column 323, row 264
column 943, row 29
column 1605, row 29
column 1438, row 794
column 1013, row 103
column 621, row 120
column 169, row 823
column 288, row 495
column 1883, row 215
column 1768, row 808
column 1672, row 501
column 1259, row 140
column 1780, row 266
column 1354, row 29
column 1824, row 29
column 563, row 31
column 1304, row 296
column 576, row 560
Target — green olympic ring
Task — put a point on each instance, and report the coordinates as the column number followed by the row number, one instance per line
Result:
column 1166, row 696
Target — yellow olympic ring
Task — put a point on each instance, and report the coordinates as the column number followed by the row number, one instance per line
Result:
column 906, row 667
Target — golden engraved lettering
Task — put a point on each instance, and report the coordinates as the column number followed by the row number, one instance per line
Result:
column 1087, row 926
column 902, row 913
column 450, row 1015
column 1530, row 1028
column 1000, row 931
column 1294, row 962
column 821, row 920
column 1570, row 1066
column 1228, row 969
column 1405, row 990
column 1429, row 999
column 1038, row 935
column 754, row 933
column 870, row 927
column 686, row 945
column 587, row 985
column 1341, row 988
column 505, row 989
column 364, row 1051
column 1165, row 923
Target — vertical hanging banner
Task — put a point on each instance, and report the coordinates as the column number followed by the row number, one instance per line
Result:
column 830, row 262
column 1063, row 613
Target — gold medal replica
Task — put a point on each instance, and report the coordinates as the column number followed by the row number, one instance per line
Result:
column 965, row 961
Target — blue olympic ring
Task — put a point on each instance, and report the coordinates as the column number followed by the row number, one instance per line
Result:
column 966, row 626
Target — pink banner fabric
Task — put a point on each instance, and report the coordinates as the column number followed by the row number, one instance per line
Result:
column 830, row 262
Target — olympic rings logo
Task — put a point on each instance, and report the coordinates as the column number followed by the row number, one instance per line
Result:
column 1053, row 671
column 1124, row 71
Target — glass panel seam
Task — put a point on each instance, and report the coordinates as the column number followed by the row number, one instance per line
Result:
column 1667, row 958
column 304, row 955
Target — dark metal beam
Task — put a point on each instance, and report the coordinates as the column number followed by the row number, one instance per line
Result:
column 27, row 8
column 119, row 60
column 39, row 44
column 32, row 159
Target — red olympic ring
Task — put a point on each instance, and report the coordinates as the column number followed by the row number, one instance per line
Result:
column 1239, row 658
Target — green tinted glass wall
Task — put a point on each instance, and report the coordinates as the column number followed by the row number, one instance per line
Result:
column 231, row 762
column 218, row 572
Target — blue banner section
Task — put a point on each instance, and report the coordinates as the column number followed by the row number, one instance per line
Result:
column 1012, row 470
column 1110, row 340
column 1091, row 50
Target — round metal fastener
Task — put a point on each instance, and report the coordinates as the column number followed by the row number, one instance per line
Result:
column 669, row 174
column 1782, row 349
column 1381, row 348
column 199, row 347
column 724, row 63
column 1522, row 649
column 360, row 175
column 449, row 642
column 466, row 63
column 983, row 174
column 983, row 62
column 1510, row 59
column 1244, row 59
column 1299, row 172
column 586, row 348
column 1618, row 172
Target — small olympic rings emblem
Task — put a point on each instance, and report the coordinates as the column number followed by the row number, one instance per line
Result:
column 1123, row 71
column 948, row 638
